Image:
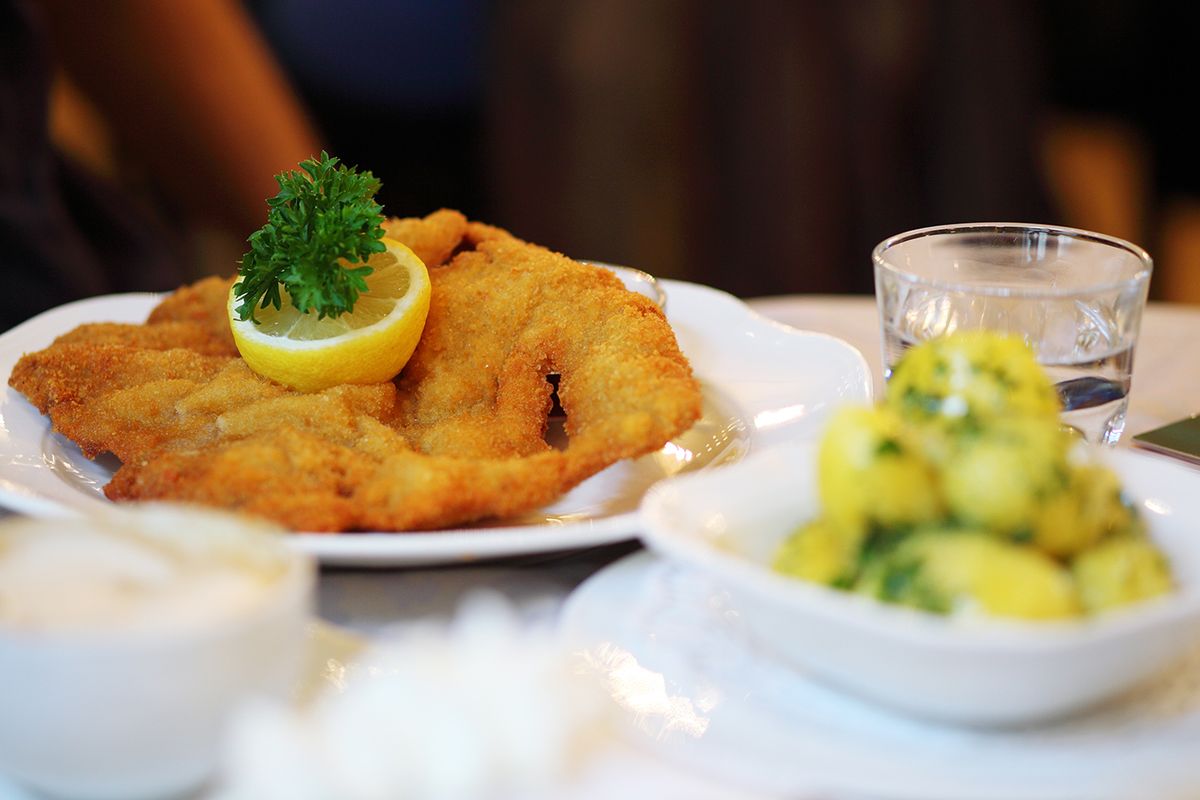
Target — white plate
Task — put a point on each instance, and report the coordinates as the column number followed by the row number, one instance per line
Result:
column 701, row 691
column 763, row 383
column 973, row 670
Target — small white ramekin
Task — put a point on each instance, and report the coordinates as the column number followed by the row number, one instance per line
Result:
column 140, row 713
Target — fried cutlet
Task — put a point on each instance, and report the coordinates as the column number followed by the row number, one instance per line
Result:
column 458, row 436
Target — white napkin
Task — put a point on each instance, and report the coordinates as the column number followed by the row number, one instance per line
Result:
column 482, row 708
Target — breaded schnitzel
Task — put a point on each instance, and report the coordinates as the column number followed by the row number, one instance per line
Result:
column 458, row 436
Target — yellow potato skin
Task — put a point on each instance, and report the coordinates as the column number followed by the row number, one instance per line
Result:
column 961, row 569
column 970, row 378
column 1120, row 571
column 818, row 552
column 997, row 478
column 870, row 473
column 1086, row 511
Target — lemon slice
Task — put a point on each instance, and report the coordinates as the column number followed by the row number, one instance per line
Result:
column 370, row 344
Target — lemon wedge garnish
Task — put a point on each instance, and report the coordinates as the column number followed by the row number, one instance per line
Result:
column 370, row 344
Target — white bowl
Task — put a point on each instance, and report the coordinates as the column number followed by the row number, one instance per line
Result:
column 137, row 709
column 979, row 671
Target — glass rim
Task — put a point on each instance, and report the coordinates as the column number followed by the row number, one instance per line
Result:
column 1140, row 276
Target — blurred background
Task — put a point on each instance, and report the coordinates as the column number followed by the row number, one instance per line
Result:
column 762, row 147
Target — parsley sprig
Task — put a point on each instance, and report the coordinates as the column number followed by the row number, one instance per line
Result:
column 324, row 216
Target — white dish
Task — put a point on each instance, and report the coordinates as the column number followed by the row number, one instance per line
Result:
column 763, row 383
column 330, row 654
column 701, row 691
column 968, row 670
column 133, row 701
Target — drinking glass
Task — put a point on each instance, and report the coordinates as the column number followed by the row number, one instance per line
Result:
column 1075, row 297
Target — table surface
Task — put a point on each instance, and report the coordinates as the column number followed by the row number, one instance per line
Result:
column 1165, row 388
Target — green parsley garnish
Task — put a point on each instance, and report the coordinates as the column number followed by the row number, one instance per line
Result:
column 322, row 216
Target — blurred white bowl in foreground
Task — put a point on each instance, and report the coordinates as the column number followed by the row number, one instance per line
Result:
column 135, row 635
column 729, row 522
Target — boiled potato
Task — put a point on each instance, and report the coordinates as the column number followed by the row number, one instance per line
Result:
column 968, row 379
column 1120, row 571
column 948, row 569
column 1089, row 508
column 996, row 478
column 870, row 473
column 819, row 552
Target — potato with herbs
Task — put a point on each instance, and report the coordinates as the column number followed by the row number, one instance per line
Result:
column 998, row 476
column 970, row 379
column 948, row 569
column 963, row 490
column 1089, row 508
column 870, row 473
column 1120, row 571
column 819, row 552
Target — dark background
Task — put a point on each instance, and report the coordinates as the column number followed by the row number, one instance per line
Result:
column 759, row 147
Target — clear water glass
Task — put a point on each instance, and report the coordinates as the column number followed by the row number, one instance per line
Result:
column 1076, row 297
